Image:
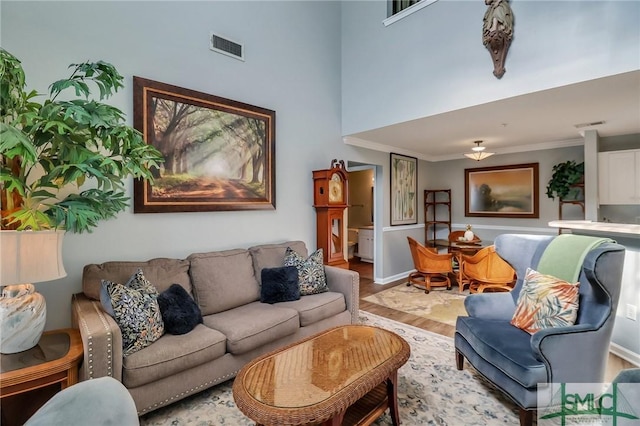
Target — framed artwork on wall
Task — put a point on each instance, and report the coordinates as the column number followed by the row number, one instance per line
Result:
column 404, row 184
column 502, row 191
column 219, row 153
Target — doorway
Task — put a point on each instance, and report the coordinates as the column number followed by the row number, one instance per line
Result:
column 361, row 223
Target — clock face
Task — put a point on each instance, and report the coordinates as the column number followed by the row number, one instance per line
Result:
column 335, row 188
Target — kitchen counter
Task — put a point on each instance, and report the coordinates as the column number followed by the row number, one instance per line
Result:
column 598, row 228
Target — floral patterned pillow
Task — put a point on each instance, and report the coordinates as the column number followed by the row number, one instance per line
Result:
column 311, row 277
column 545, row 301
column 136, row 310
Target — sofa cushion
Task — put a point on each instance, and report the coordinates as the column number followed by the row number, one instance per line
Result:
column 134, row 306
column 253, row 325
column 311, row 276
column 316, row 307
column 272, row 255
column 180, row 312
column 161, row 272
column 279, row 284
column 223, row 280
column 501, row 342
column 172, row 354
column 545, row 301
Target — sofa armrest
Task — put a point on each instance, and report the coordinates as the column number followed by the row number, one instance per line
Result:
column 490, row 305
column 101, row 339
column 348, row 283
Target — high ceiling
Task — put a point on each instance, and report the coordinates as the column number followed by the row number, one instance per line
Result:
column 542, row 120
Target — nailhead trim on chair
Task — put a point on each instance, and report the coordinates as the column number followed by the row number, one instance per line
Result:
column 98, row 308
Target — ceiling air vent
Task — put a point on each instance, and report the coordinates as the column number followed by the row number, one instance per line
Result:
column 593, row 123
column 226, row 46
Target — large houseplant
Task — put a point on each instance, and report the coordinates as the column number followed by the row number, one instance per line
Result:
column 565, row 175
column 63, row 162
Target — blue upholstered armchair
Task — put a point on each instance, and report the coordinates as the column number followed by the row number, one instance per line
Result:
column 516, row 361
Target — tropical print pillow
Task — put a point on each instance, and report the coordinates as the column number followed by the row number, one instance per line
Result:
column 545, row 301
column 311, row 277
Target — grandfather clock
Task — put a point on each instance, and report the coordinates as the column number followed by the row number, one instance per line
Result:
column 330, row 200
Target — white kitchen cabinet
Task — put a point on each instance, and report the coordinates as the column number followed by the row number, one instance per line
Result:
column 619, row 177
column 365, row 245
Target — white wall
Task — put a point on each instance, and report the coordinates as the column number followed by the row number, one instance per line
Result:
column 433, row 61
column 292, row 66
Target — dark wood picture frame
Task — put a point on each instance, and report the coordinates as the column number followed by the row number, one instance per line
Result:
column 404, row 189
column 219, row 153
column 502, row 191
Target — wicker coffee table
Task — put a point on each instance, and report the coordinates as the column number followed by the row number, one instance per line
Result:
column 343, row 376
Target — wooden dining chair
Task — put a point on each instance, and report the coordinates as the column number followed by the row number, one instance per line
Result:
column 487, row 271
column 432, row 268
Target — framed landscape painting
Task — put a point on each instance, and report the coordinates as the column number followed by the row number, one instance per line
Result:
column 502, row 191
column 404, row 183
column 219, row 154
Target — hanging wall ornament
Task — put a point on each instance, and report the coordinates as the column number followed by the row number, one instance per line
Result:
column 497, row 32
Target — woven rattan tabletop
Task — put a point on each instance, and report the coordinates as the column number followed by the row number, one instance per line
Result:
column 317, row 378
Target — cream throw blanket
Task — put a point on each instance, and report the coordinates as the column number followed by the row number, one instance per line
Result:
column 564, row 256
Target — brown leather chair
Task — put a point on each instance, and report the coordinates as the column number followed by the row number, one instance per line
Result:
column 487, row 271
column 432, row 268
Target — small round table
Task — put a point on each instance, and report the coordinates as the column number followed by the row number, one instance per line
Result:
column 53, row 361
column 464, row 248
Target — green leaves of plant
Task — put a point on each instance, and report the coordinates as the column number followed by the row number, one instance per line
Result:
column 70, row 142
column 102, row 74
column 564, row 175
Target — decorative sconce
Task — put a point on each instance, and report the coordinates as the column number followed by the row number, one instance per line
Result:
column 497, row 32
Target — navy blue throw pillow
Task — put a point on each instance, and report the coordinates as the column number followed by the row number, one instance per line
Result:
column 279, row 285
column 180, row 312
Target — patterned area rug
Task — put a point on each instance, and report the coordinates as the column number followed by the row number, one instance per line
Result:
column 440, row 304
column 431, row 390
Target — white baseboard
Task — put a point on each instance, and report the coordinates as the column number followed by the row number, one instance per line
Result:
column 393, row 278
column 625, row 354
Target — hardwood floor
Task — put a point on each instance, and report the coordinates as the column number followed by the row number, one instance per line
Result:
column 367, row 287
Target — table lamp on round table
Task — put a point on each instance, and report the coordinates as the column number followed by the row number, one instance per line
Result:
column 26, row 257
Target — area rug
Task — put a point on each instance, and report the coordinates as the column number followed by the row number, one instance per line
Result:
column 431, row 390
column 439, row 305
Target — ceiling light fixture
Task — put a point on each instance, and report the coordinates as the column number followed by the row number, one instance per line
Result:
column 478, row 152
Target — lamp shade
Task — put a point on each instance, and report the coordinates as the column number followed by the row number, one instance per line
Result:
column 30, row 256
column 478, row 152
column 479, row 155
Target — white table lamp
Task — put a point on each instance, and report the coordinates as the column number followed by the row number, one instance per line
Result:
column 26, row 257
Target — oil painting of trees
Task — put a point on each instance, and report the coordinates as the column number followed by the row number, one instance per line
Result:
column 502, row 191
column 219, row 154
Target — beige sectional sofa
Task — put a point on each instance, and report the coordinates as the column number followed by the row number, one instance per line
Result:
column 236, row 326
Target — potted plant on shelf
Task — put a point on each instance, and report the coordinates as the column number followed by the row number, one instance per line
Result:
column 565, row 176
column 50, row 151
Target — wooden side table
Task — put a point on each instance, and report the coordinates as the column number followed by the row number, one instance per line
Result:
column 28, row 379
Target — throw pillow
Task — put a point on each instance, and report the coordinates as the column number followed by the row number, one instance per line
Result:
column 180, row 313
column 136, row 311
column 279, row 284
column 311, row 277
column 545, row 301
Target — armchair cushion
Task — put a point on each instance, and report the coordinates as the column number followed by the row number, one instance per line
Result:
column 545, row 301
column 503, row 344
